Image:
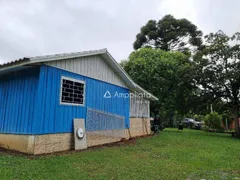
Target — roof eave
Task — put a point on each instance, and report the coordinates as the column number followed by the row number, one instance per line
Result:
column 148, row 94
column 131, row 84
column 15, row 64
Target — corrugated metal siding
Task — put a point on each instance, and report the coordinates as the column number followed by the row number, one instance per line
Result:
column 91, row 66
column 139, row 107
column 17, row 101
column 51, row 117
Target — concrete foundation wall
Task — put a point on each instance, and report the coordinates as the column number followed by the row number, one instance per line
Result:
column 96, row 138
column 53, row 143
column 139, row 127
column 22, row 143
column 41, row 144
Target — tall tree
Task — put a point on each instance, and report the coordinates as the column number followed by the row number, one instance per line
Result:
column 169, row 34
column 218, row 70
column 165, row 74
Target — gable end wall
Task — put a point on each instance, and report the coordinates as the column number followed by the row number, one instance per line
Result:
column 90, row 66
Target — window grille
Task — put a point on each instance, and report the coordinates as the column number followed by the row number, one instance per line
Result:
column 72, row 91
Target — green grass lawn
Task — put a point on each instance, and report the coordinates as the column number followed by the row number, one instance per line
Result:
column 171, row 155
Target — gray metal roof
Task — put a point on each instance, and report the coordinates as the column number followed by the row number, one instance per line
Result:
column 45, row 58
column 26, row 61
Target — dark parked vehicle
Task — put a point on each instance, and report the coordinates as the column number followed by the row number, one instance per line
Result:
column 186, row 122
column 191, row 123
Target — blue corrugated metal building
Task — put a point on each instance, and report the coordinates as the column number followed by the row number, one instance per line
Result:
column 42, row 95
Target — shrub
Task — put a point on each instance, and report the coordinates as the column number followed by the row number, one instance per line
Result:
column 205, row 128
column 213, row 121
column 198, row 117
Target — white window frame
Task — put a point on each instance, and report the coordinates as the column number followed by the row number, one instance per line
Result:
column 74, row 80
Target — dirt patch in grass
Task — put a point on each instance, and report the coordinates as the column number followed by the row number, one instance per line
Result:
column 123, row 142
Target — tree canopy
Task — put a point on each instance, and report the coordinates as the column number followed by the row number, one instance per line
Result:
column 218, row 69
column 165, row 74
column 186, row 82
column 168, row 34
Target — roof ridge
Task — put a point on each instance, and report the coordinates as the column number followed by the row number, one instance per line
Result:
column 104, row 50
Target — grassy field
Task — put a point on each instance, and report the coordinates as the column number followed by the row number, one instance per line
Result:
column 171, row 155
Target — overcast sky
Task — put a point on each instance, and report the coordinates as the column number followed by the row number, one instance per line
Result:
column 38, row 27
